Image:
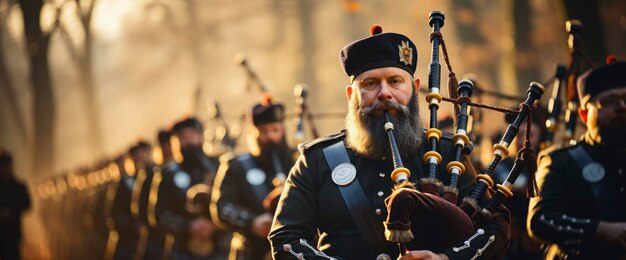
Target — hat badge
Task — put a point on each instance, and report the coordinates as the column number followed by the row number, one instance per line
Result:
column 278, row 112
column 406, row 53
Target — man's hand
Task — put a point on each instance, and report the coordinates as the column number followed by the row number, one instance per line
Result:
column 422, row 255
column 201, row 228
column 614, row 232
column 261, row 225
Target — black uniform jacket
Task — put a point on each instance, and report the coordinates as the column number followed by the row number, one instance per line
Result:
column 236, row 203
column 117, row 209
column 312, row 202
column 140, row 194
column 566, row 215
column 171, row 211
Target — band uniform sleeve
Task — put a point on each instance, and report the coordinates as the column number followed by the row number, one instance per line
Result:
column 546, row 217
column 120, row 208
column 226, row 193
column 489, row 241
column 294, row 226
column 167, row 217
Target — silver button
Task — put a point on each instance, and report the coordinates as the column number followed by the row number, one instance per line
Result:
column 379, row 211
column 380, row 194
column 621, row 189
column 383, row 257
column 384, row 158
column 381, row 174
column 619, row 171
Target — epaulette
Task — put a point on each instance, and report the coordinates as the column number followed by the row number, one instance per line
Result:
column 303, row 147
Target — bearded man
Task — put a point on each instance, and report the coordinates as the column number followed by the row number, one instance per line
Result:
column 581, row 213
column 245, row 181
column 338, row 186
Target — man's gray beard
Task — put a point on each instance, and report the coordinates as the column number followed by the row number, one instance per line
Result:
column 366, row 132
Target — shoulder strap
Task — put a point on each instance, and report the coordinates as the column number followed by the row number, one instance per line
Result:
column 208, row 165
column 599, row 188
column 360, row 209
column 581, row 157
column 247, row 162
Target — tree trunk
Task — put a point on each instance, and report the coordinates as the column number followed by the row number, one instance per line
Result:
column 43, row 99
column 6, row 88
column 91, row 101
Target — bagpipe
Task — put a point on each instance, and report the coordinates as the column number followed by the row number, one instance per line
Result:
column 574, row 28
column 198, row 198
column 222, row 136
column 565, row 80
column 554, row 107
column 300, row 92
column 434, row 207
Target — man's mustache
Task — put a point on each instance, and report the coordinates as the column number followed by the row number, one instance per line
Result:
column 386, row 105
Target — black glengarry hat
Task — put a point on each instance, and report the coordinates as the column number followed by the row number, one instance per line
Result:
column 600, row 79
column 189, row 122
column 377, row 51
column 267, row 113
column 140, row 145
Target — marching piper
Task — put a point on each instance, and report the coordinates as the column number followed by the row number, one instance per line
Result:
column 339, row 184
column 243, row 183
column 581, row 213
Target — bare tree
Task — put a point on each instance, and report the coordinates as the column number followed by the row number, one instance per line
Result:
column 6, row 83
column 83, row 56
column 44, row 112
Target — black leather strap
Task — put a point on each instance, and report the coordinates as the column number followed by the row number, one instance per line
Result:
column 360, row 209
column 207, row 164
column 247, row 162
column 599, row 188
